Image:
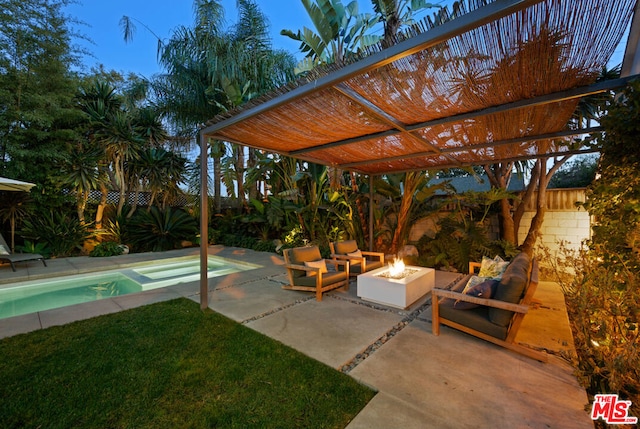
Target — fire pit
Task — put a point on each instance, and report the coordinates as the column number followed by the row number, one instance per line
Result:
column 396, row 285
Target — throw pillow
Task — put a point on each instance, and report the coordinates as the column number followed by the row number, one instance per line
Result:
column 485, row 289
column 474, row 280
column 4, row 250
column 357, row 253
column 493, row 268
column 316, row 264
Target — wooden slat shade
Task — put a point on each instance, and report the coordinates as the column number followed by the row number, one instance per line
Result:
column 371, row 121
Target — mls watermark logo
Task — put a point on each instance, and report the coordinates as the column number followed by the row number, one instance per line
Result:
column 612, row 410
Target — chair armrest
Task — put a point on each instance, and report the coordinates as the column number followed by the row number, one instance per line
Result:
column 481, row 301
column 301, row 267
column 376, row 254
column 336, row 262
column 473, row 266
column 344, row 258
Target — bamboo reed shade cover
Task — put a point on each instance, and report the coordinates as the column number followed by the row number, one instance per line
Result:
column 402, row 115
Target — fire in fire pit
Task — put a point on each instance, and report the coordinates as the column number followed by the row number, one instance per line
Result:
column 397, row 270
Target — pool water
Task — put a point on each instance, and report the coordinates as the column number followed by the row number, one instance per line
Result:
column 39, row 295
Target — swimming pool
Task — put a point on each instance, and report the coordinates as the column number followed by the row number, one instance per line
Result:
column 39, row 295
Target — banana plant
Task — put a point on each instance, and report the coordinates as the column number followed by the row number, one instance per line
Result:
column 340, row 31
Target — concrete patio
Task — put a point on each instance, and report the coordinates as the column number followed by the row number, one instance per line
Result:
column 423, row 381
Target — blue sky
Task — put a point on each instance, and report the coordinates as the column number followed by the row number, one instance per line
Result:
column 161, row 16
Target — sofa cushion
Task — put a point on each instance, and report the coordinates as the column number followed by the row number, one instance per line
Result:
column 485, row 289
column 345, row 247
column 511, row 288
column 476, row 318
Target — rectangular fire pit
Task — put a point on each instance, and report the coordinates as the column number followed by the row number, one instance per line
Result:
column 376, row 286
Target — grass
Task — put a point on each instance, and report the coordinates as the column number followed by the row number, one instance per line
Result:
column 168, row 365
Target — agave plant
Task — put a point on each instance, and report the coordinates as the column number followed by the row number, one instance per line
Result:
column 158, row 230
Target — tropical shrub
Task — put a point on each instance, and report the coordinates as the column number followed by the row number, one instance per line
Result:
column 39, row 248
column 63, row 234
column 107, row 248
column 603, row 302
column 159, row 230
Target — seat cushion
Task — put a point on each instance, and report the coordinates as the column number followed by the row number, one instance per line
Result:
column 475, row 318
column 327, row 279
column 344, row 247
column 511, row 288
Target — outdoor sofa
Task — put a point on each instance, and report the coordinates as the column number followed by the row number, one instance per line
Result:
column 494, row 310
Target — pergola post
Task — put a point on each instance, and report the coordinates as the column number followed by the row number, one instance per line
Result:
column 370, row 213
column 631, row 61
column 204, row 223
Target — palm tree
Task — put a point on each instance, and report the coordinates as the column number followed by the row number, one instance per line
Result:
column 81, row 172
column 210, row 69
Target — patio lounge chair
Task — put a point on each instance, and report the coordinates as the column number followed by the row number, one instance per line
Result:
column 360, row 261
column 12, row 258
column 496, row 319
column 308, row 271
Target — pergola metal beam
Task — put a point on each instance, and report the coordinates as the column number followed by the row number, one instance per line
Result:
column 441, row 33
column 631, row 61
column 493, row 161
column 547, row 136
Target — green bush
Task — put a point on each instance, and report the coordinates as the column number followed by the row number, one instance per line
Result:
column 159, row 230
column 108, row 248
column 603, row 302
column 62, row 234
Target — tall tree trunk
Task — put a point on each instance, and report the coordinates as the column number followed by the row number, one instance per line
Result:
column 499, row 176
column 104, row 192
column 529, row 242
column 81, row 199
column 411, row 182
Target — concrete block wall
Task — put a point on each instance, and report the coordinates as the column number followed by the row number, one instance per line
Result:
column 572, row 227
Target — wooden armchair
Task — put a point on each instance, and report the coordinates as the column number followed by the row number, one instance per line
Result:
column 498, row 319
column 360, row 261
column 307, row 271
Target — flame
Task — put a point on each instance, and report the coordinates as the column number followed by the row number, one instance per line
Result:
column 397, row 268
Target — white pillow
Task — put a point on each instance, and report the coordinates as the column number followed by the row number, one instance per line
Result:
column 4, row 250
column 357, row 253
column 316, row 264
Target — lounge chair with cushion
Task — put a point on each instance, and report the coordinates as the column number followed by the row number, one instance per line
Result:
column 360, row 261
column 12, row 258
column 491, row 309
column 308, row 271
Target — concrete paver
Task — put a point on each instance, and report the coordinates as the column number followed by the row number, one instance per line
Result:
column 450, row 381
column 331, row 331
column 459, row 381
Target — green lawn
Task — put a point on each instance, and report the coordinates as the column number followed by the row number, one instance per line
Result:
column 168, row 365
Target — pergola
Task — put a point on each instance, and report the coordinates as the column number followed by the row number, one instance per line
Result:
column 495, row 83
